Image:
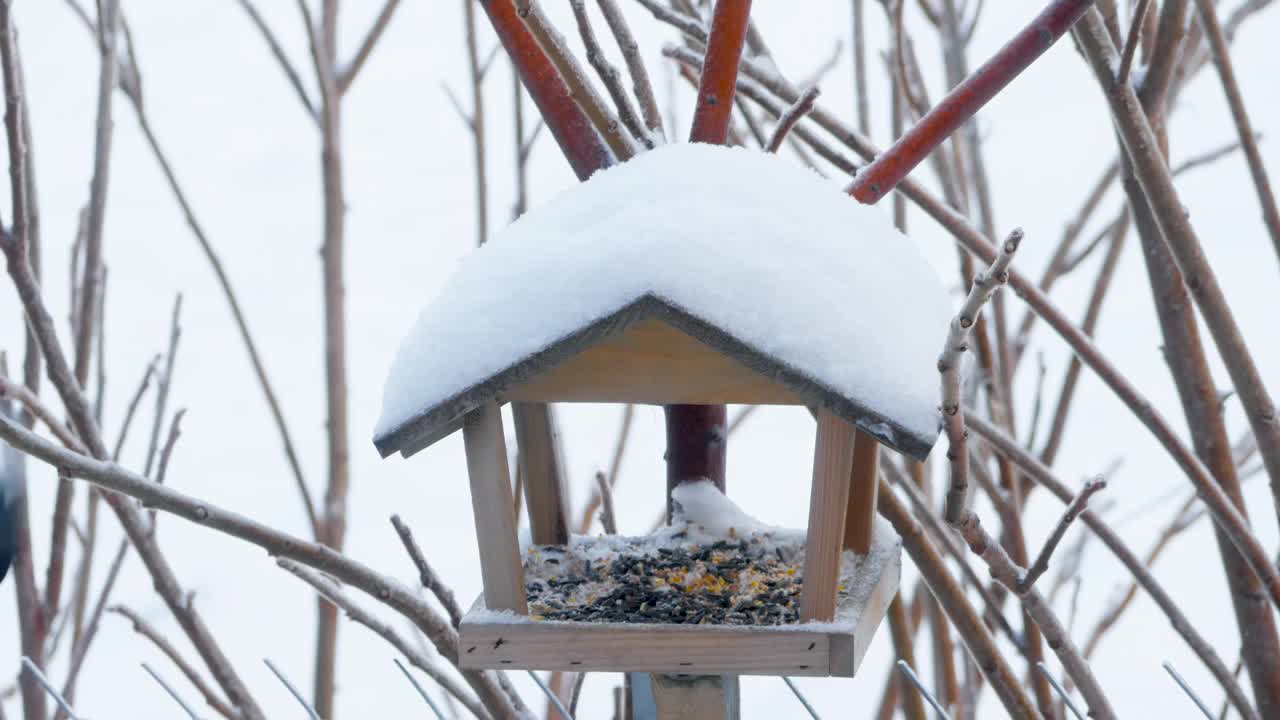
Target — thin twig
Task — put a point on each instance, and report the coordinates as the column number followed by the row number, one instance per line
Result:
column 40, row 678
column 1214, row 33
column 143, row 628
column 800, row 696
column 551, row 697
column 333, row 594
column 641, row 86
column 1181, row 624
column 1186, row 689
column 147, row 374
column 1131, row 43
column 172, row 693
column 609, row 74
column 233, row 301
column 1062, row 692
column 292, row 690
column 426, row 574
column 924, row 692
column 435, row 709
column 277, row 50
column 607, row 517
column 788, row 120
column 347, row 74
column 1077, row 506
column 163, row 385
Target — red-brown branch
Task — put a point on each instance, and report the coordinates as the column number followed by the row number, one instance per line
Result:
column 582, row 146
column 881, row 176
column 720, row 71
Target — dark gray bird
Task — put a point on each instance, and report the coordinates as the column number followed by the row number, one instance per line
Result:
column 10, row 488
column 7, row 538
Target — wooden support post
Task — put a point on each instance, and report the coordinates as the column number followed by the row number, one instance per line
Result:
column 695, row 697
column 860, row 517
column 832, row 465
column 494, row 508
column 540, row 466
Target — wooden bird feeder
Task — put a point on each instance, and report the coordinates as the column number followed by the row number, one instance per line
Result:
column 603, row 322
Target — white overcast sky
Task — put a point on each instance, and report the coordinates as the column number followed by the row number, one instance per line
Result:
column 249, row 160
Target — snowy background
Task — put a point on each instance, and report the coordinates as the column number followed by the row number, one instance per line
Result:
column 249, row 159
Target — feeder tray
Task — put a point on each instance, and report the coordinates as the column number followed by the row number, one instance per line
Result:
column 677, row 600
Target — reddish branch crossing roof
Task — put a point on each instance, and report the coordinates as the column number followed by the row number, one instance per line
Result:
column 757, row 259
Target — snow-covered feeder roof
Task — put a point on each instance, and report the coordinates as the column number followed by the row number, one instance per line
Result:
column 690, row 274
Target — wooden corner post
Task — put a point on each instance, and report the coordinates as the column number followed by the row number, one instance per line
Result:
column 540, row 466
column 864, row 487
column 494, row 508
column 832, row 464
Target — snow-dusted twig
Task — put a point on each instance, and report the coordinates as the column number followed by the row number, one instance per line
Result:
column 171, row 692
column 1168, row 666
column 44, row 682
column 292, row 690
column 580, row 89
column 640, row 83
column 551, row 697
column 144, row 629
column 426, row 574
column 924, row 692
column 1062, row 692
column 333, row 594
column 1077, row 506
column 435, row 709
column 609, row 75
column 793, row 114
column 984, row 284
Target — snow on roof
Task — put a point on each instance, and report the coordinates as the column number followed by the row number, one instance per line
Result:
column 762, row 249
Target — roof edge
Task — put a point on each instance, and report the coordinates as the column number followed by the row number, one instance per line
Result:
column 444, row 418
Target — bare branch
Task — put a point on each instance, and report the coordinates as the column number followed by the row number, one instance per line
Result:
column 1073, row 511
column 640, row 84
column 1217, row 38
column 609, row 74
column 332, row 593
column 145, row 629
column 607, row 517
column 295, row 80
column 347, row 74
column 1131, row 43
column 170, row 692
column 984, row 285
column 426, row 575
column 1181, row 624
column 793, row 114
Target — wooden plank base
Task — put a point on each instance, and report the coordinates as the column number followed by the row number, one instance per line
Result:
column 835, row 649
